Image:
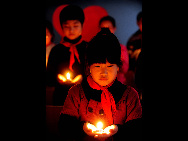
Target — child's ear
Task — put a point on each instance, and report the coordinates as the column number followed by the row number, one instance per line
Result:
column 117, row 68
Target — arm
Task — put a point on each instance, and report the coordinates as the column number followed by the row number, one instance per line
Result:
column 70, row 127
column 132, row 127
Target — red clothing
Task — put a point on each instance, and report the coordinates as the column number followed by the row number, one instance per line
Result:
column 128, row 106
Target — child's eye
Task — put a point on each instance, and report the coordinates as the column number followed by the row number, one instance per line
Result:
column 66, row 26
column 110, row 66
column 97, row 66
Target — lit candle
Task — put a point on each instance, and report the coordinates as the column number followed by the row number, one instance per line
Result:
column 68, row 76
column 61, row 77
column 99, row 125
column 98, row 130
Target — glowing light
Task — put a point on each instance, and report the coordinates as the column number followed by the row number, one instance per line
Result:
column 99, row 125
column 61, row 77
column 98, row 130
column 77, row 78
column 68, row 76
column 107, row 129
column 91, row 126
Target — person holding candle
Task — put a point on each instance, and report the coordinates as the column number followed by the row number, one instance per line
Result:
column 67, row 57
column 101, row 98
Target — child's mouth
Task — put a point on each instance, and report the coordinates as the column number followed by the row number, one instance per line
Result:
column 103, row 78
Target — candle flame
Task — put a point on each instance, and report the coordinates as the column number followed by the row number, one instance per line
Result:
column 91, row 126
column 107, row 129
column 98, row 129
column 61, row 77
column 77, row 78
column 68, row 76
column 99, row 125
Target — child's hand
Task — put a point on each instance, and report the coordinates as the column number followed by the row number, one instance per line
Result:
column 111, row 131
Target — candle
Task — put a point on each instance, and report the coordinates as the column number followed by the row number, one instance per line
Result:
column 61, row 77
column 98, row 130
column 68, row 79
column 68, row 76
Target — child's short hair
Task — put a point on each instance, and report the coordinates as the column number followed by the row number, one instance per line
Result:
column 104, row 47
column 72, row 12
column 108, row 18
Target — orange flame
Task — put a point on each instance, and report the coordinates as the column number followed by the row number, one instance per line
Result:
column 98, row 129
column 61, row 77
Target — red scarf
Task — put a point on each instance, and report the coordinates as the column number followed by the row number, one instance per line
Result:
column 73, row 51
column 107, row 99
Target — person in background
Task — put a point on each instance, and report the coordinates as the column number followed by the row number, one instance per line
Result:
column 109, row 22
column 49, row 39
column 67, row 59
column 134, row 44
column 101, row 97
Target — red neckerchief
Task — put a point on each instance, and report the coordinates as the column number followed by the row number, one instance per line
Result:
column 107, row 99
column 72, row 50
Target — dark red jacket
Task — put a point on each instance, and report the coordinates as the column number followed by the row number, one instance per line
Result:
column 83, row 104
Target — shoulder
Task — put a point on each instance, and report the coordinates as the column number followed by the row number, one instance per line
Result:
column 131, row 93
column 75, row 90
column 83, row 44
column 117, row 90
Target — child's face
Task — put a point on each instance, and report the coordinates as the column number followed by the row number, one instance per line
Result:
column 108, row 24
column 72, row 29
column 104, row 73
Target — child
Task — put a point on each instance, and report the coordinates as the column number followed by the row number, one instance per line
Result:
column 68, row 55
column 100, row 97
column 109, row 22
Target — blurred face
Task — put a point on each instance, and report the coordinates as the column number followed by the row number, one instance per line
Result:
column 104, row 73
column 48, row 37
column 72, row 29
column 108, row 24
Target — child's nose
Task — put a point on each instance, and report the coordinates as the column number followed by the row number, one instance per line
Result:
column 71, row 29
column 104, row 71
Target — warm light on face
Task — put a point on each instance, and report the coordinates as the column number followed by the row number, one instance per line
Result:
column 103, row 73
